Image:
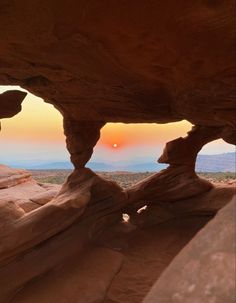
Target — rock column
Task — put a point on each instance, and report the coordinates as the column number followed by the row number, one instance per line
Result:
column 81, row 137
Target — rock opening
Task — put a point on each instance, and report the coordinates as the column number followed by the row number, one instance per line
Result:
column 132, row 62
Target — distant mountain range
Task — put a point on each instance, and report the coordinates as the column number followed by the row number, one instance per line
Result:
column 216, row 163
column 205, row 163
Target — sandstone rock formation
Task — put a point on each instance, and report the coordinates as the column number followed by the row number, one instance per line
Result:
column 114, row 61
column 10, row 103
column 10, row 177
column 205, row 270
column 97, row 247
column 17, row 186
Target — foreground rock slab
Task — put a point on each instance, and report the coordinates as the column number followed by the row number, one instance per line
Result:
column 81, row 279
column 149, row 251
column 204, row 271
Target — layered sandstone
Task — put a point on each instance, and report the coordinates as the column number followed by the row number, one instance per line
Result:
column 122, row 256
column 128, row 61
column 18, row 187
column 108, row 61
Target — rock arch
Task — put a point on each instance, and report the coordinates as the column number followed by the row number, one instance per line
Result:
column 95, row 63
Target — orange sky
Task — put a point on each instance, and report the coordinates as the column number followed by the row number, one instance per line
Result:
column 147, row 134
column 40, row 123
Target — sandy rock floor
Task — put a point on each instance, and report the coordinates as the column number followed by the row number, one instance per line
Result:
column 148, row 253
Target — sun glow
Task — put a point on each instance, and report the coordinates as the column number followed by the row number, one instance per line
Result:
column 37, row 133
column 120, row 136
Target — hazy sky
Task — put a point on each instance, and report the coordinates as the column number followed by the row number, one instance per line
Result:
column 36, row 134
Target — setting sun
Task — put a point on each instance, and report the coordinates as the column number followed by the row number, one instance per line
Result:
column 115, row 145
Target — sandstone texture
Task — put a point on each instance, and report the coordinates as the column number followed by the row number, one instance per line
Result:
column 204, row 271
column 10, row 177
column 132, row 62
column 17, row 186
column 125, row 259
column 128, row 61
column 86, row 279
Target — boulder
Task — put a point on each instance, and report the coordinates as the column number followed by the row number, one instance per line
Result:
column 10, row 103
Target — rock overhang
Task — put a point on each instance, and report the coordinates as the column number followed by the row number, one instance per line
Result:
column 124, row 62
column 108, row 61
